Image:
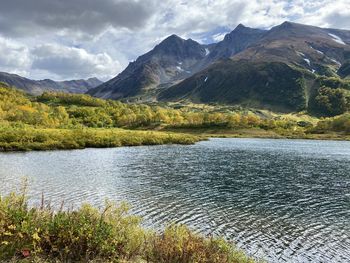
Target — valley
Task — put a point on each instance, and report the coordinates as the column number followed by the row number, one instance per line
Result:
column 242, row 147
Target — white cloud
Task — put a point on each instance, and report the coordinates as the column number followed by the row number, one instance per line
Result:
column 325, row 13
column 71, row 62
column 218, row 37
column 14, row 57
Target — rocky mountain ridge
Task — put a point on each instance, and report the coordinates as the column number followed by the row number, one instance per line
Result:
column 36, row 87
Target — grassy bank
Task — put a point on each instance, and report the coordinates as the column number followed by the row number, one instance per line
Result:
column 29, row 138
column 261, row 133
column 111, row 234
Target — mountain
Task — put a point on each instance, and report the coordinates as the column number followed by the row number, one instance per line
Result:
column 276, row 69
column 236, row 41
column 36, row 87
column 280, row 71
column 170, row 61
column 316, row 49
column 173, row 60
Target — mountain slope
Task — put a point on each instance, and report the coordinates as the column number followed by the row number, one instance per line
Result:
column 36, row 87
column 316, row 49
column 273, row 85
column 284, row 61
column 236, row 41
column 167, row 63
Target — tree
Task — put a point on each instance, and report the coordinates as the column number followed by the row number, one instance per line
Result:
column 331, row 102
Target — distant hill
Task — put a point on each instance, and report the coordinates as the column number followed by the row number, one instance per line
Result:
column 37, row 87
column 278, row 68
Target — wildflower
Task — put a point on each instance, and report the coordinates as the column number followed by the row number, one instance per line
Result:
column 25, row 252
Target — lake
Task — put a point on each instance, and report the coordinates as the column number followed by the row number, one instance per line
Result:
column 282, row 200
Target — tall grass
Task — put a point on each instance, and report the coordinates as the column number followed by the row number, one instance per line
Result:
column 110, row 234
column 29, row 138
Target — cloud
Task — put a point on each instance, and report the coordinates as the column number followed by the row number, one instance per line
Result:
column 83, row 38
column 219, row 36
column 71, row 62
column 22, row 17
column 14, row 57
column 338, row 18
column 325, row 13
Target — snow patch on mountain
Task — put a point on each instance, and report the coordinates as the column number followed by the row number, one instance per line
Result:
column 304, row 58
column 179, row 68
column 318, row 51
column 337, row 39
column 335, row 61
column 307, row 61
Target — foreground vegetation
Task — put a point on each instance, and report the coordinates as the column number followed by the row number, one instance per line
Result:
column 71, row 121
column 111, row 234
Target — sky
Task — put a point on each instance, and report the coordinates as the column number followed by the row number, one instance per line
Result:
column 74, row 39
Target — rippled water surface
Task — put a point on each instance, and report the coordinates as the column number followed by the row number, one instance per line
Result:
column 283, row 200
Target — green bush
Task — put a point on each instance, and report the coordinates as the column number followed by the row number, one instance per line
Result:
column 331, row 102
column 335, row 124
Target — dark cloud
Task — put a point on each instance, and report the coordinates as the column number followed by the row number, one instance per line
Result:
column 23, row 17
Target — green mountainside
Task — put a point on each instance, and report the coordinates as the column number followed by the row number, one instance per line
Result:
column 273, row 85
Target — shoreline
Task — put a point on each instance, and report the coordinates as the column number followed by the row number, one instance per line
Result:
column 260, row 133
column 77, row 139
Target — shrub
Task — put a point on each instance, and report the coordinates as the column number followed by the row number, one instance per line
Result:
column 179, row 244
column 109, row 234
column 331, row 102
